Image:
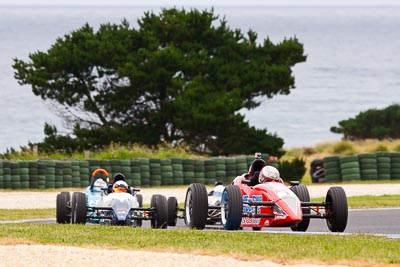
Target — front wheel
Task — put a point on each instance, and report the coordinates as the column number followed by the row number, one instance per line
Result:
column 302, row 193
column 160, row 218
column 172, row 203
column 63, row 210
column 231, row 207
column 336, row 209
column 196, row 206
column 78, row 208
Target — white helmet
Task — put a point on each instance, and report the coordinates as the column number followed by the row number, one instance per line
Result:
column 120, row 187
column 98, row 185
column 268, row 173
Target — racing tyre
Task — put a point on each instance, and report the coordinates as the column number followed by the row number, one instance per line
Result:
column 139, row 198
column 302, row 193
column 172, row 211
column 336, row 209
column 160, row 218
column 63, row 211
column 78, row 208
column 317, row 170
column 196, row 206
column 231, row 207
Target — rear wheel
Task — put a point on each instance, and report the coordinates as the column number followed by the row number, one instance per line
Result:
column 196, row 206
column 231, row 207
column 63, row 211
column 301, row 192
column 172, row 211
column 78, row 208
column 336, row 209
column 160, row 218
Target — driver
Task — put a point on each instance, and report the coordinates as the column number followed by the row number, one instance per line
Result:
column 266, row 174
column 269, row 174
column 120, row 187
column 117, row 177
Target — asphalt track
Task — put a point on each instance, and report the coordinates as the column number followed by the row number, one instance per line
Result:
column 381, row 221
column 377, row 221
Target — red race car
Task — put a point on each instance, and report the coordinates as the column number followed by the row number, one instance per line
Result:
column 269, row 204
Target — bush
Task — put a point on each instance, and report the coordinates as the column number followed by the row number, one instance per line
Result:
column 292, row 171
column 373, row 123
column 344, row 148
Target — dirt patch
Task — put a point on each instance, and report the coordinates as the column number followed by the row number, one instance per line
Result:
column 48, row 255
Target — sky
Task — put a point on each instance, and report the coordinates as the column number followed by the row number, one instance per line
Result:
column 201, row 2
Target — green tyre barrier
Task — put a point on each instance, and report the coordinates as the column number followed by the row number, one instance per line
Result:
column 350, row 168
column 145, row 172
column 210, row 168
column 332, row 169
column 188, row 171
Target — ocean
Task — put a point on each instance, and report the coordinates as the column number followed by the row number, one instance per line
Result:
column 352, row 66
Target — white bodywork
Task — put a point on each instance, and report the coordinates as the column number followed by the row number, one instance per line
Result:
column 214, row 199
column 110, row 199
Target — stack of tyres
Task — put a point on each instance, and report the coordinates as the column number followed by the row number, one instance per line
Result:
column 220, row 169
column 384, row 165
column 59, row 181
column 241, row 165
column 188, row 171
column 368, row 166
column 230, row 169
column 94, row 164
column 125, row 168
column 167, row 175
column 395, row 166
column 67, row 173
column 249, row 159
column 177, row 171
column 75, row 174
column 1, row 175
column 50, row 173
column 210, row 171
column 135, row 173
column 106, row 165
column 332, row 169
column 199, row 171
column 350, row 168
column 15, row 177
column 24, row 174
column 41, row 166
column 155, row 172
column 84, row 173
column 6, row 175
column 144, row 172
column 33, row 174
column 115, row 167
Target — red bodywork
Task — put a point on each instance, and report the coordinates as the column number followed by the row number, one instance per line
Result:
column 271, row 204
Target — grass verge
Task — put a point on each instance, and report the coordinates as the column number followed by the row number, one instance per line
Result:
column 354, row 250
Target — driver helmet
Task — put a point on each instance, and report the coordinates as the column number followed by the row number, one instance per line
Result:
column 268, row 174
column 120, row 187
column 98, row 185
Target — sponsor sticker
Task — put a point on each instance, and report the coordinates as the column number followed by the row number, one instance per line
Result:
column 246, row 198
column 247, row 220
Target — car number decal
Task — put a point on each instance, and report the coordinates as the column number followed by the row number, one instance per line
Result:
column 247, row 220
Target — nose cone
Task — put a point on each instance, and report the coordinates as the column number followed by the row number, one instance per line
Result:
column 288, row 208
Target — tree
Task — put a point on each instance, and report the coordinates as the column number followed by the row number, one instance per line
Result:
column 182, row 76
column 373, row 123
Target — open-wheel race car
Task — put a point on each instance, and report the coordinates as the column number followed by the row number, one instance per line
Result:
column 269, row 204
column 100, row 205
